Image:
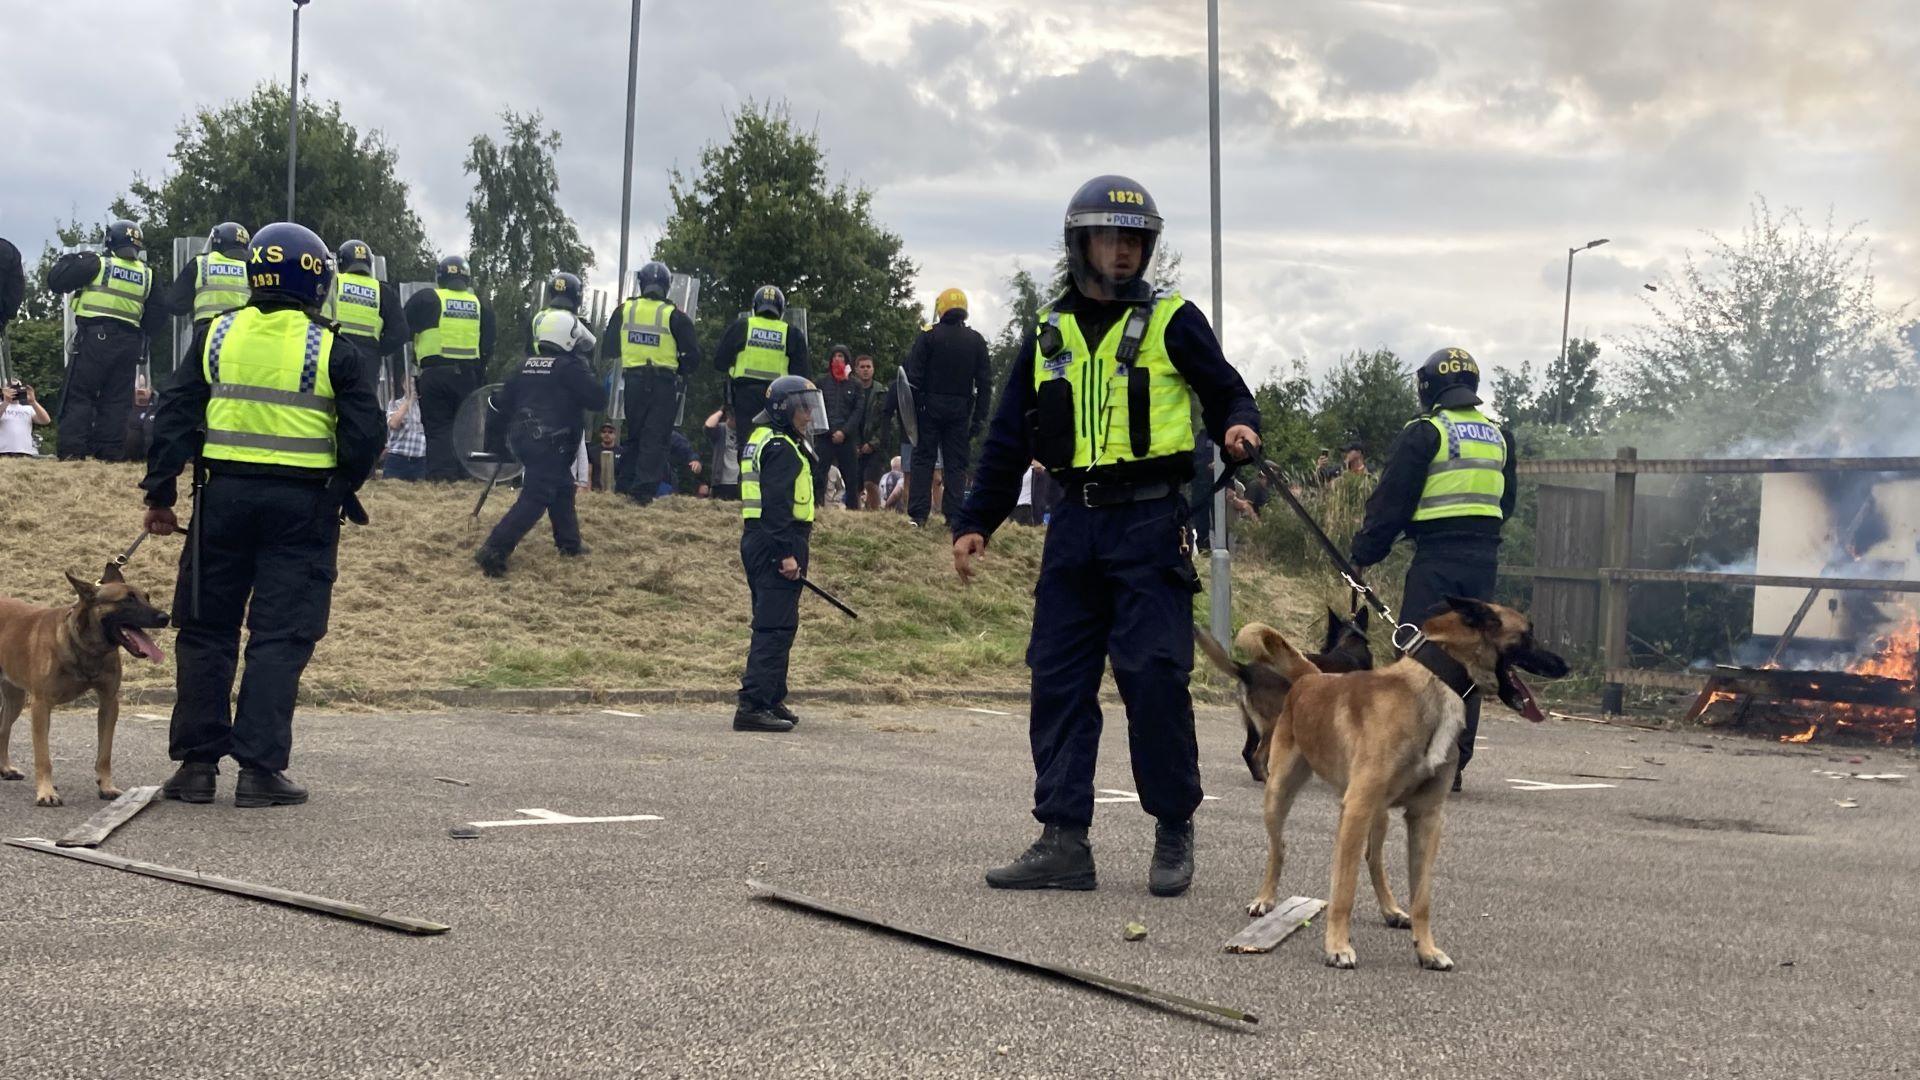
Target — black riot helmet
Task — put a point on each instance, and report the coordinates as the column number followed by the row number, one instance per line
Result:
column 563, row 291
column 653, row 280
column 124, row 239
column 769, row 302
column 354, row 257
column 1107, row 205
column 229, row 238
column 1450, row 379
column 453, row 273
column 787, row 393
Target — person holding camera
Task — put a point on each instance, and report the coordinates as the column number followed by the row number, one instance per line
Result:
column 21, row 414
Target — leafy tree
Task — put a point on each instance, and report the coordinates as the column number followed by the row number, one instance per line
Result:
column 759, row 209
column 1514, row 395
column 1288, row 430
column 1023, row 314
column 1783, row 319
column 1568, row 397
column 229, row 163
column 1367, row 397
column 520, row 233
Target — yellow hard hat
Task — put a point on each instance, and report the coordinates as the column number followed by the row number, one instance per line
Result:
column 949, row 300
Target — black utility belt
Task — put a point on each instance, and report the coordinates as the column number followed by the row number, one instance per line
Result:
column 1096, row 493
column 441, row 361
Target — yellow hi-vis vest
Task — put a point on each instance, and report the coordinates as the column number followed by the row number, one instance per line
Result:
column 272, row 395
column 765, row 355
column 118, row 291
column 1105, row 397
column 355, row 305
column 457, row 337
column 646, row 336
column 1467, row 475
column 219, row 285
column 750, row 476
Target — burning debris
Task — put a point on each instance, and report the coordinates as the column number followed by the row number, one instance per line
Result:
column 1876, row 699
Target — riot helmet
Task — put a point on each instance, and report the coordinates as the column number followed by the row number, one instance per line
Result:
column 1450, row 379
column 287, row 261
column 1105, row 209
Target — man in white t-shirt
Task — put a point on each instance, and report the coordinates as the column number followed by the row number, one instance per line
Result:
column 20, row 413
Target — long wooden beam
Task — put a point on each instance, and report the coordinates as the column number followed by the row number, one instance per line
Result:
column 1061, row 971
column 338, row 908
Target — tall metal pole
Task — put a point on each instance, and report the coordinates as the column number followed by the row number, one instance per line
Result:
column 293, row 108
column 1566, row 315
column 626, row 170
column 1222, row 591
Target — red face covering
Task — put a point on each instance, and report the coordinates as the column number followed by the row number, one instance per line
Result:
column 839, row 367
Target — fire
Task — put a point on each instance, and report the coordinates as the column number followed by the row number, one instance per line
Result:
column 1804, row 737
column 1895, row 655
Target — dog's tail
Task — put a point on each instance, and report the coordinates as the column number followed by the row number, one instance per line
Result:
column 1269, row 646
column 1217, row 653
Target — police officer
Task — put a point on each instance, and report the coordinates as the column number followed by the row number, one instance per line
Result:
column 214, row 282
column 113, row 321
column 758, row 348
column 777, row 503
column 291, row 431
column 1448, row 485
column 368, row 313
column 952, row 393
column 657, row 349
column 543, row 404
column 452, row 337
column 1105, row 377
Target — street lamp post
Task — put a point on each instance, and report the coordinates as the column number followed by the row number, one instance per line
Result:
column 1566, row 311
column 626, row 169
column 293, row 107
column 1222, row 566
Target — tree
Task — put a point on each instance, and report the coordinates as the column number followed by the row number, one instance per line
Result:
column 229, row 163
column 1288, row 431
column 1568, row 397
column 759, row 209
column 520, row 233
column 1367, row 398
column 1023, row 315
column 1780, row 320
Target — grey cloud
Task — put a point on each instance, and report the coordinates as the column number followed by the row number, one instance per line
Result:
column 1370, row 62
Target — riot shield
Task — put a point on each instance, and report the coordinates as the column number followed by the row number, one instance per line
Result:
column 480, row 438
column 683, row 292
column 903, row 402
column 410, row 364
column 185, row 250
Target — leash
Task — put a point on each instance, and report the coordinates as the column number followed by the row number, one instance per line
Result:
column 1407, row 639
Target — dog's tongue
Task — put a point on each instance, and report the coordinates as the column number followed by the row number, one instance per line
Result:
column 142, row 645
column 1529, row 708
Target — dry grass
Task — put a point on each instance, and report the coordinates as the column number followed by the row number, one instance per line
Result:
column 659, row 603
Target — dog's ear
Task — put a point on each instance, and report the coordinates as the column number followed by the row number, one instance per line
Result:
column 1476, row 614
column 112, row 574
column 1333, row 628
column 86, row 590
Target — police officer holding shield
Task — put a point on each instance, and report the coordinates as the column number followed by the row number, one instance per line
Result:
column 1449, row 486
column 285, row 428
column 758, row 348
column 115, row 316
column 367, row 312
column 657, row 349
column 1099, row 393
column 453, row 335
column 213, row 282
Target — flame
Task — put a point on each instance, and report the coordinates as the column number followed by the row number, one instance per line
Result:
column 1804, row 737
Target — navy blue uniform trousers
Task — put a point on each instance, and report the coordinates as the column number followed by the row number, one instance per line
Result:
column 546, row 487
column 776, row 616
column 1114, row 586
column 1461, row 565
column 267, row 548
column 652, row 404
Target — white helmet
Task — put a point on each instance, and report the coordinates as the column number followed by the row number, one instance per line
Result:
column 563, row 332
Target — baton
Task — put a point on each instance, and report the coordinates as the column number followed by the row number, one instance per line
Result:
column 829, row 598
column 491, row 481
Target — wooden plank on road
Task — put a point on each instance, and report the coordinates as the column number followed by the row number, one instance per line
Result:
column 339, row 908
column 93, row 831
column 1267, row 932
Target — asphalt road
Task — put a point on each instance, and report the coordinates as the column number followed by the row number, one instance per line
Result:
column 1726, row 918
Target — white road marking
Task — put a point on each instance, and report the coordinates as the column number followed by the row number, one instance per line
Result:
column 630, row 715
column 989, row 712
column 1542, row 785
column 1114, row 795
column 539, row 816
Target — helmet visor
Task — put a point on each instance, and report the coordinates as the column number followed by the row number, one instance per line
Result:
column 816, row 407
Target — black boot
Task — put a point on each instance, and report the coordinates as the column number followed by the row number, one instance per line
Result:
column 258, row 787
column 1172, row 869
column 786, row 714
column 492, row 561
column 745, row 719
column 1456, row 781
column 1060, row 859
column 579, row 551
column 191, row 782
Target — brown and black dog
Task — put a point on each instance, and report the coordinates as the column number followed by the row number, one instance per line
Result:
column 58, row 654
column 1387, row 738
column 1263, row 689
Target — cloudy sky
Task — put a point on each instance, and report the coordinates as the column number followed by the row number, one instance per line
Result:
column 1399, row 174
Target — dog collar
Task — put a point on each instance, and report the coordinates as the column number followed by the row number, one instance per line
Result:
column 1445, row 668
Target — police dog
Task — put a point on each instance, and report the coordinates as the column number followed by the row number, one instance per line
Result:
column 55, row 655
column 1263, row 689
column 1387, row 738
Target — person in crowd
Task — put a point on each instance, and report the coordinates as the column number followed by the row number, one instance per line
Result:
column 1354, row 460
column 140, row 421
column 406, row 457
column 869, row 460
column 952, row 393
column 1325, row 468
column 841, row 451
column 680, row 455
column 608, row 443
column 21, row 413
column 723, row 448
column 893, row 488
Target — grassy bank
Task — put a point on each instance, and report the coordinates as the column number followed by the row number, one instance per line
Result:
column 659, row 603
